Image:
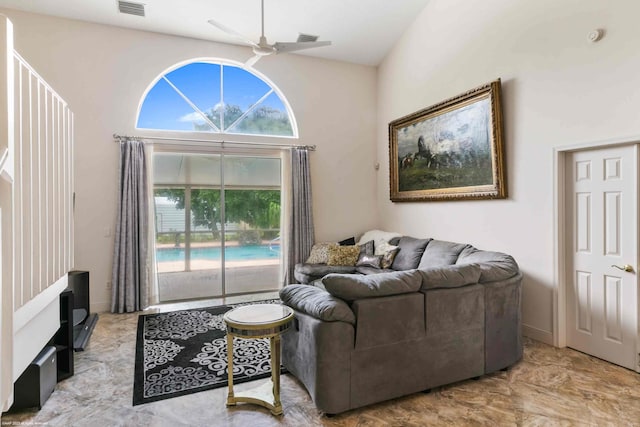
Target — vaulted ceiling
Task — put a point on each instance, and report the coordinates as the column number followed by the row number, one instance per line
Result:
column 361, row 31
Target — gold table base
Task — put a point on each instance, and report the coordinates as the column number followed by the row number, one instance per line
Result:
column 268, row 394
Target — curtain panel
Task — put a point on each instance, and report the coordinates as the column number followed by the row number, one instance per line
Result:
column 300, row 228
column 130, row 274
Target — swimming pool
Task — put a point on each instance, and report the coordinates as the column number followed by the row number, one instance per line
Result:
column 232, row 253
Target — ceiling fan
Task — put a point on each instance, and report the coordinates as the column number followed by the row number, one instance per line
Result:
column 263, row 48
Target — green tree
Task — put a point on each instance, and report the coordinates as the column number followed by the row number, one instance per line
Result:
column 257, row 208
column 262, row 120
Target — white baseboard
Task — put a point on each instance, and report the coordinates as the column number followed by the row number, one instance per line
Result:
column 29, row 340
column 101, row 307
column 537, row 334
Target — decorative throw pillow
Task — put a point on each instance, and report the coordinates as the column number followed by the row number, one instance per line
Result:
column 366, row 249
column 320, row 253
column 347, row 242
column 369, row 261
column 388, row 253
column 388, row 257
column 343, row 255
column 378, row 236
column 383, row 247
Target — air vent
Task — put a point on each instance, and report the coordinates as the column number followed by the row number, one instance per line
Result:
column 131, row 8
column 306, row 38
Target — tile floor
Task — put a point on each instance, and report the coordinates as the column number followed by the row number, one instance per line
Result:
column 549, row 387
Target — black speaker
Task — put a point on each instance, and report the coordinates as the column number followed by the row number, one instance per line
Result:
column 79, row 285
column 83, row 320
column 37, row 382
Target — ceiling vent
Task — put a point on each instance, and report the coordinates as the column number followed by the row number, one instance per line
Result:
column 131, row 8
column 306, row 38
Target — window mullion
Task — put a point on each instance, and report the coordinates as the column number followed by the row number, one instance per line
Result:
column 192, row 105
column 249, row 110
column 222, row 104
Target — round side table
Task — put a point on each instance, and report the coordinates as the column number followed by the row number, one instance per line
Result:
column 252, row 322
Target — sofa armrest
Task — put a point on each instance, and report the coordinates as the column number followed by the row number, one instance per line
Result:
column 307, row 273
column 351, row 287
column 317, row 303
column 450, row 276
column 494, row 265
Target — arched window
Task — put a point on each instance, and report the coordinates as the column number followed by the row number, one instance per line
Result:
column 208, row 96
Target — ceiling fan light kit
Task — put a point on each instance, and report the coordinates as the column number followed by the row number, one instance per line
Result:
column 264, row 48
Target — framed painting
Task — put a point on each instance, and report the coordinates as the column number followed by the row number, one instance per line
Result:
column 450, row 151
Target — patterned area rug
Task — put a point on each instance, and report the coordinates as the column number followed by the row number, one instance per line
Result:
column 185, row 352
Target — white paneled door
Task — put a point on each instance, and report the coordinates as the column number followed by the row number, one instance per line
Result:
column 602, row 244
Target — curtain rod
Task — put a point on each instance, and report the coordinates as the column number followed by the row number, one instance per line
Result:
column 120, row 138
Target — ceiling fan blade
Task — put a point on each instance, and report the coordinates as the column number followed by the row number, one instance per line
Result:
column 232, row 32
column 293, row 46
column 252, row 61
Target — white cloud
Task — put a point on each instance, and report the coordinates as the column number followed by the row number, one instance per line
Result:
column 192, row 118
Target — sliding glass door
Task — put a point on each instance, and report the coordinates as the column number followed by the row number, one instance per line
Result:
column 217, row 224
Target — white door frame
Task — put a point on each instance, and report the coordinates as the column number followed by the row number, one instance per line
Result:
column 559, row 228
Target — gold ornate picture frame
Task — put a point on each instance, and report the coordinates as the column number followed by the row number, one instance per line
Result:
column 450, row 151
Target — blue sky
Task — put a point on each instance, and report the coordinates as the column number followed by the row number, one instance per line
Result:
column 164, row 108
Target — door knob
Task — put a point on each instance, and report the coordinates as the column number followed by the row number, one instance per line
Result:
column 625, row 267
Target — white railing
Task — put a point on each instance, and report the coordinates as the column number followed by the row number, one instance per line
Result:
column 42, row 180
column 6, row 226
column 36, row 207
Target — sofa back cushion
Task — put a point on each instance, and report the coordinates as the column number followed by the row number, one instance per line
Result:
column 439, row 253
column 350, row 287
column 317, row 303
column 449, row 276
column 494, row 266
column 411, row 251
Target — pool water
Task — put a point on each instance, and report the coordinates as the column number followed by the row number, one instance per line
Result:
column 232, row 253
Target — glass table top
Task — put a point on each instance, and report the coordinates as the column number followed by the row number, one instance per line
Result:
column 257, row 314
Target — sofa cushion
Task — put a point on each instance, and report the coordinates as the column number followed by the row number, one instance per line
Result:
column 449, row 276
column 494, row 266
column 317, row 303
column 323, row 269
column 439, row 253
column 411, row 250
column 363, row 269
column 351, row 287
column 320, row 253
column 343, row 255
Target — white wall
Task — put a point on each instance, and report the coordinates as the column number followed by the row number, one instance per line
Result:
column 558, row 89
column 102, row 72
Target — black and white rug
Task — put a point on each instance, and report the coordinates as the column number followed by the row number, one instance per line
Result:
column 185, row 351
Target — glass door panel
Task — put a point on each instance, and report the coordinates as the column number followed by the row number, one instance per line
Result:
column 205, row 275
column 252, row 210
column 228, row 243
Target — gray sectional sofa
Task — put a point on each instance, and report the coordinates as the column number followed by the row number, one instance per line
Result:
column 364, row 338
